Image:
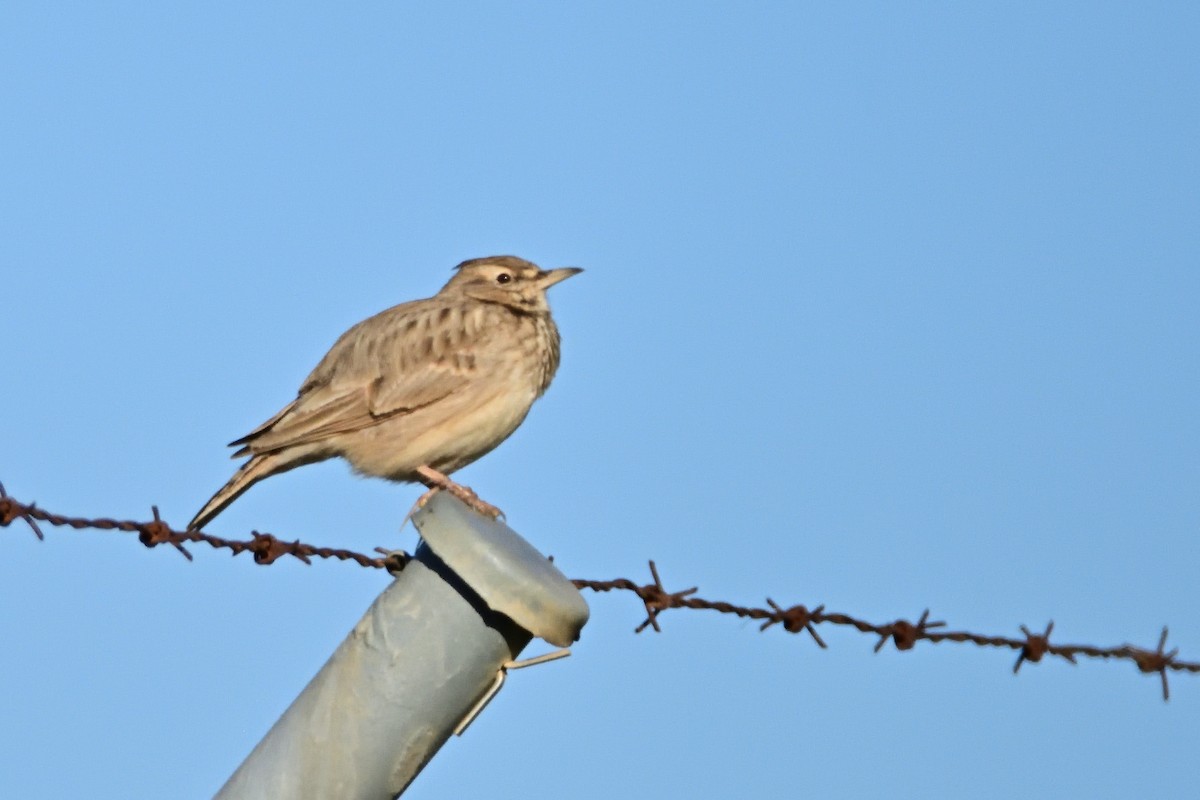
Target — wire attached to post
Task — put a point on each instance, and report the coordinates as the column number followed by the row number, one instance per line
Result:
column 494, row 689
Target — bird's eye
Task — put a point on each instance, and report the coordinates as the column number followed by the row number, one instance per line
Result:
column 503, row 277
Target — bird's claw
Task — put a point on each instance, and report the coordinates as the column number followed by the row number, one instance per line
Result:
column 436, row 482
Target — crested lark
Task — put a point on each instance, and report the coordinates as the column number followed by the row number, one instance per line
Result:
column 419, row 390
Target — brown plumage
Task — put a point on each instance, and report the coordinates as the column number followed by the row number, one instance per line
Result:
column 419, row 390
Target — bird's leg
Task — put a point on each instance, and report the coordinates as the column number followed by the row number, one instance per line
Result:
column 436, row 482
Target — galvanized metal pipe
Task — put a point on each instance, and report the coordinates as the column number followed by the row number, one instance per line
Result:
column 429, row 648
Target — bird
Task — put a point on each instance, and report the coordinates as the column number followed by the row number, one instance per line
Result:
column 419, row 390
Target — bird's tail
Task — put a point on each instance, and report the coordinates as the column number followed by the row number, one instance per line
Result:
column 248, row 474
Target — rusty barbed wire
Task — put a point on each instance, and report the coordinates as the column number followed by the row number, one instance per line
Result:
column 264, row 547
column 904, row 635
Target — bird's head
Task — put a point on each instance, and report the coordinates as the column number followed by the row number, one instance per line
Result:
column 508, row 280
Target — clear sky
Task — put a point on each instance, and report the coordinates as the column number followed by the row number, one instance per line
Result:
column 887, row 306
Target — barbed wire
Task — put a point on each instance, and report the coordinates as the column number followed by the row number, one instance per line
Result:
column 266, row 549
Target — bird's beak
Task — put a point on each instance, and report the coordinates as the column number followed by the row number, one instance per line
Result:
column 549, row 277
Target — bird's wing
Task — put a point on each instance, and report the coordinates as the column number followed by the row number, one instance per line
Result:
column 283, row 412
column 402, row 359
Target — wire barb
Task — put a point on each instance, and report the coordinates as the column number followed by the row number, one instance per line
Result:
column 11, row 510
column 795, row 619
column 904, row 634
column 158, row 532
column 657, row 600
column 1036, row 646
column 1149, row 661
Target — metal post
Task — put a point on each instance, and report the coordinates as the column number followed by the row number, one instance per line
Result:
column 422, row 661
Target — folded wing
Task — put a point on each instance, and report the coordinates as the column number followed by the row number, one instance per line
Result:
column 398, row 361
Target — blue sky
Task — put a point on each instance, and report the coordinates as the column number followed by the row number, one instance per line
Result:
column 887, row 306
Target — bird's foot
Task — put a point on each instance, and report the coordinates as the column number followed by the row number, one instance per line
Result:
column 437, row 482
